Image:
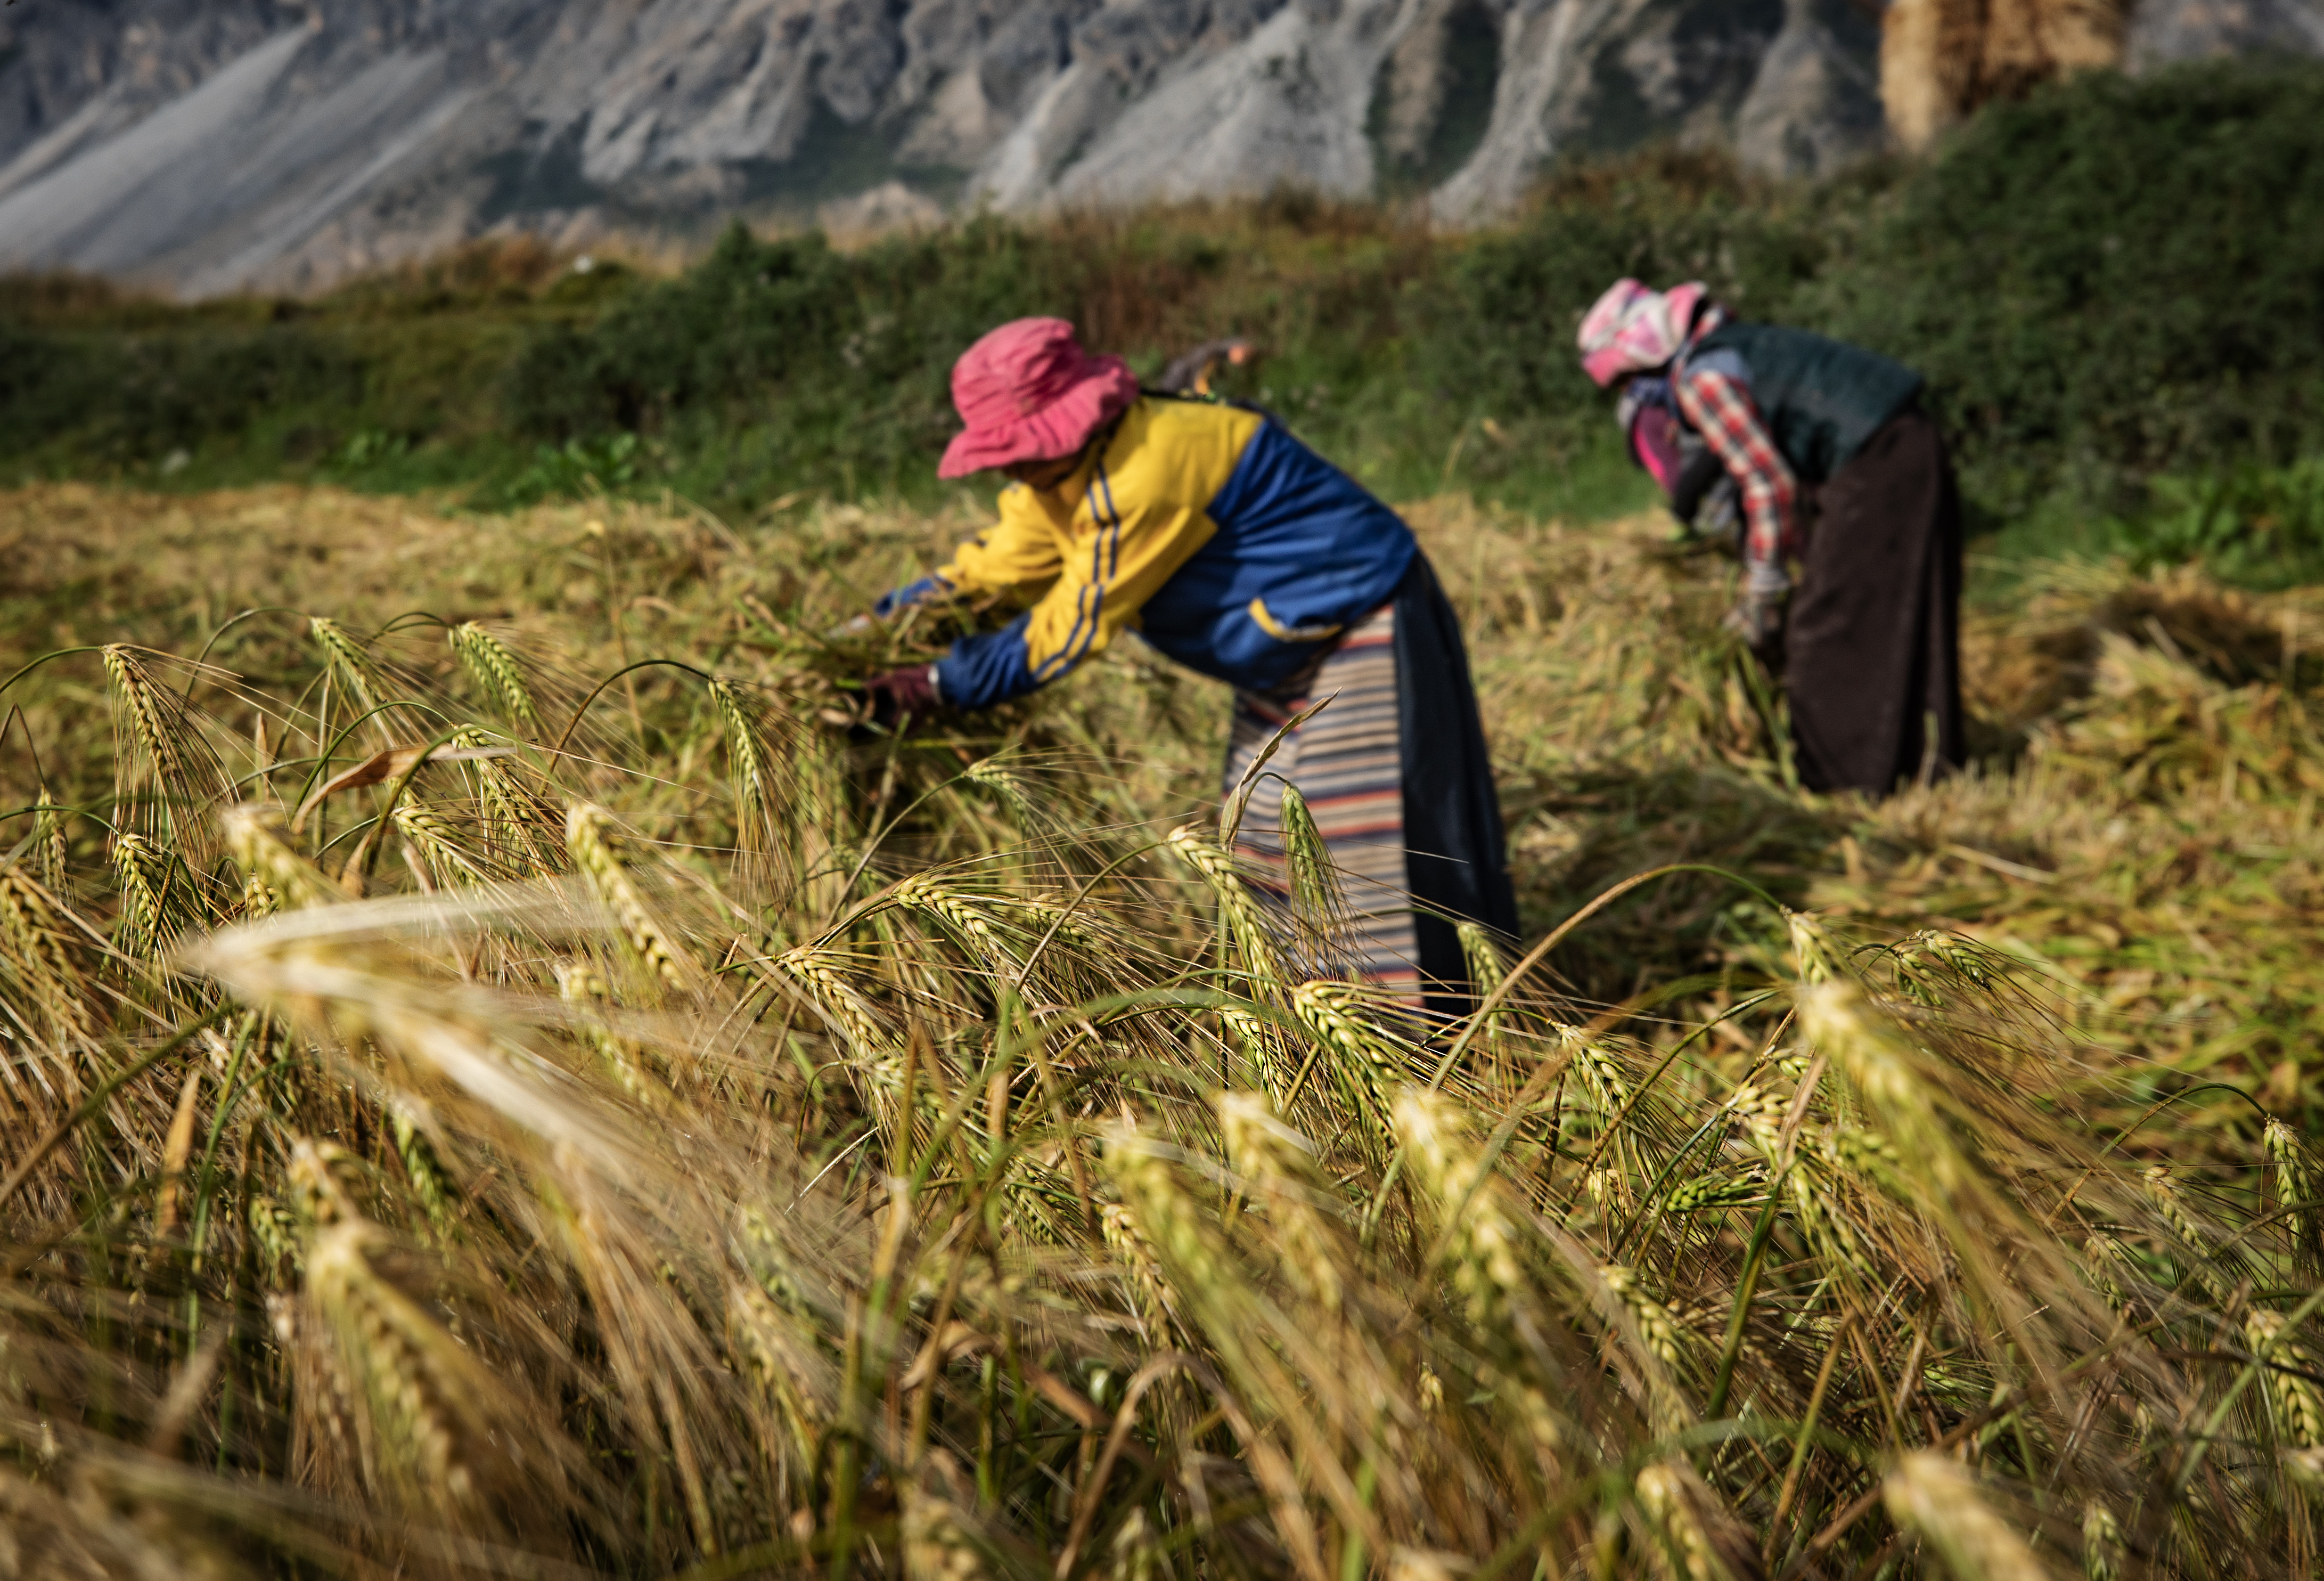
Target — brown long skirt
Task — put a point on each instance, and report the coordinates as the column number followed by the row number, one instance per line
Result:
column 1874, row 645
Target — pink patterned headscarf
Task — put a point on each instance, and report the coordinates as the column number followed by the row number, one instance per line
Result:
column 1028, row 391
column 1632, row 329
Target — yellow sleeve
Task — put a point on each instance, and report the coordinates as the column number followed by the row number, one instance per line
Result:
column 1019, row 555
column 1141, row 518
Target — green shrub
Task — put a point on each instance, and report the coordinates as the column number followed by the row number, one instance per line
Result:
column 2114, row 280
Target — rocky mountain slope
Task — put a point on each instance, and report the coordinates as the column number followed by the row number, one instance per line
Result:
column 213, row 144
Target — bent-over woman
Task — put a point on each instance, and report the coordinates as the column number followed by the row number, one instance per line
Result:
column 1837, row 467
column 1236, row 550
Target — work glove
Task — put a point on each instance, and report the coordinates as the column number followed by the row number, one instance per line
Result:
column 901, row 695
column 1758, row 619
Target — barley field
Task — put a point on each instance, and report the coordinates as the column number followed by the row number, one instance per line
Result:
column 505, row 1076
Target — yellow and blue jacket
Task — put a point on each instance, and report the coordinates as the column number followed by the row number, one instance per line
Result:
column 1227, row 545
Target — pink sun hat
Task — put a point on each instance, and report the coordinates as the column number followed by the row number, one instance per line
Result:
column 1631, row 329
column 1028, row 391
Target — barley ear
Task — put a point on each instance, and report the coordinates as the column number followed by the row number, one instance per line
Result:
column 1245, row 925
column 254, row 837
column 1315, row 883
column 349, row 665
column 494, row 669
column 586, row 841
column 49, row 842
column 746, row 761
column 1932, row 1496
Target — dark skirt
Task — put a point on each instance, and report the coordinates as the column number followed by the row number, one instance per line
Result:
column 1873, row 648
column 1397, row 776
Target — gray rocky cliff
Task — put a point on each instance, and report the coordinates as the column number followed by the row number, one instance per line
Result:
column 209, row 145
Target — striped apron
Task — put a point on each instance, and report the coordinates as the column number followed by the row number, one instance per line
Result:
column 1347, row 762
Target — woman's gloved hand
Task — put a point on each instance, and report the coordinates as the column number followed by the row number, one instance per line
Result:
column 1758, row 619
column 900, row 695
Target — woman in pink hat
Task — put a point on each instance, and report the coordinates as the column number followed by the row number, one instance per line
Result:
column 1869, row 644
column 1235, row 550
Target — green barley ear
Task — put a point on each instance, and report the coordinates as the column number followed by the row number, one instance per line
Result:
column 274, row 1230
column 989, row 773
column 1655, row 1325
column 349, row 665
column 431, row 837
column 494, row 669
column 2295, row 1404
column 593, row 854
column 1483, row 1244
column 2295, row 1182
column 1694, row 1538
column 254, row 838
column 1278, row 1166
column 1488, row 970
column 937, row 1542
column 1245, row 925
column 431, row 1181
column 2163, row 1191
column 49, row 842
column 1813, row 952
column 1481, row 1241
column 2102, row 1545
column 445, row 1438
column 34, row 955
column 580, row 984
column 1365, row 1059
column 1314, row 884
column 1152, row 1296
column 162, row 774
column 1931, row 1496
column 746, row 763
column 143, row 874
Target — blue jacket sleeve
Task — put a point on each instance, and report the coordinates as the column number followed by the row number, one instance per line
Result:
column 987, row 669
column 903, row 598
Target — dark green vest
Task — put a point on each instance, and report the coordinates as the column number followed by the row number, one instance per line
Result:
column 1821, row 398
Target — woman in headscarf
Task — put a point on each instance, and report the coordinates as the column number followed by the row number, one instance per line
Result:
column 1837, row 467
column 1235, row 550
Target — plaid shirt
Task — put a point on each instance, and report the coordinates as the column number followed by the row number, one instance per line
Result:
column 1721, row 408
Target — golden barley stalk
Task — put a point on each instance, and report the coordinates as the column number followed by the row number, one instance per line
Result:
column 496, row 670
column 1931, row 1496
column 154, row 718
column 579, row 984
column 586, row 842
column 409, row 1374
column 1278, row 1164
column 512, row 819
column 1480, row 1239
